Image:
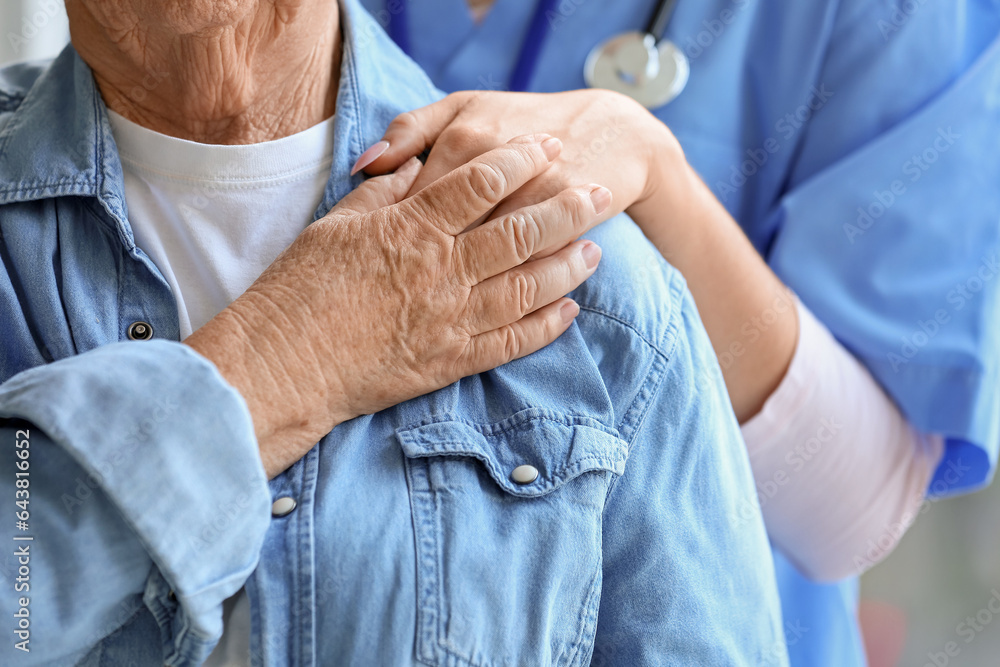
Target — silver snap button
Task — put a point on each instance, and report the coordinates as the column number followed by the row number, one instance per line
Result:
column 524, row 474
column 140, row 331
column 283, row 506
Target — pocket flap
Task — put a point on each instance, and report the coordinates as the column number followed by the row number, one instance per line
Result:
column 558, row 447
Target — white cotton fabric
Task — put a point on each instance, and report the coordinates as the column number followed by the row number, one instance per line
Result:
column 840, row 473
column 212, row 218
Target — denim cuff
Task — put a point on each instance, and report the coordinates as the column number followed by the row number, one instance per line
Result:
column 172, row 445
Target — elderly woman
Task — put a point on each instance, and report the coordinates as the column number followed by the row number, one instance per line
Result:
column 204, row 397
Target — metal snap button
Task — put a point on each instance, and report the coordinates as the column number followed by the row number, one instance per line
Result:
column 140, row 331
column 524, row 474
column 283, row 506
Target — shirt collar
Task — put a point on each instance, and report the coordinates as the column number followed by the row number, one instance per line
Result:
column 59, row 143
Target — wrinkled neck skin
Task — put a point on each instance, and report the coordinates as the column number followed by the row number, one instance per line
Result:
column 213, row 71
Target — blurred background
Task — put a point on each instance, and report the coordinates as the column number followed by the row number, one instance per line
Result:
column 32, row 29
column 941, row 585
column 929, row 604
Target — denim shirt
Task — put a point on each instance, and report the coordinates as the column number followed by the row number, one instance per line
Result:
column 409, row 543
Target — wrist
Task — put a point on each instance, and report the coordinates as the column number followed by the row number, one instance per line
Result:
column 287, row 399
column 671, row 209
column 664, row 159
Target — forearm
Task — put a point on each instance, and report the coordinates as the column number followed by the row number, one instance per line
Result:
column 840, row 473
column 747, row 311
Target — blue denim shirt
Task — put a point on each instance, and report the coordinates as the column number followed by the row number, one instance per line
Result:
column 146, row 504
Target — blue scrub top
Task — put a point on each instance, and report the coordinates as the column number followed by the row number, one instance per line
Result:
column 857, row 142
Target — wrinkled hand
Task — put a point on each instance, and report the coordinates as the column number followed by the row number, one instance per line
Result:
column 609, row 139
column 386, row 298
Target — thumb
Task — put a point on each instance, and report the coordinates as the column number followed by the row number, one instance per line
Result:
column 382, row 191
column 410, row 134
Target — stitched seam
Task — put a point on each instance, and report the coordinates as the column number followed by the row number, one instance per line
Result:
column 496, row 428
column 639, row 409
column 626, row 324
column 591, row 605
column 566, row 473
column 425, row 537
column 448, row 649
column 29, row 190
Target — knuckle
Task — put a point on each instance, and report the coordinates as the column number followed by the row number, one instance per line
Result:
column 487, row 182
column 466, row 260
column 460, row 98
column 464, row 100
column 511, row 342
column 472, row 96
column 525, row 288
column 466, row 139
column 520, row 231
column 580, row 207
column 530, row 157
column 404, row 121
column 413, row 211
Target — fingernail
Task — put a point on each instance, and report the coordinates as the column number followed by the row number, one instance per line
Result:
column 552, row 147
column 569, row 311
column 369, row 156
column 601, row 197
column 591, row 254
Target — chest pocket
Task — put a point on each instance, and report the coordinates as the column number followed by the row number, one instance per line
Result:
column 507, row 519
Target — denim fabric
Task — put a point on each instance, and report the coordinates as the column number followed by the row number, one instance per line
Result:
column 410, row 543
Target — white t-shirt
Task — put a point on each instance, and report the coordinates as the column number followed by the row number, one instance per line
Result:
column 212, row 218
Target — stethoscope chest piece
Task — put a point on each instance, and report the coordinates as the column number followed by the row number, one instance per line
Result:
column 634, row 63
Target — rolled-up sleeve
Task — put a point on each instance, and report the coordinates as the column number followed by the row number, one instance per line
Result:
column 145, row 490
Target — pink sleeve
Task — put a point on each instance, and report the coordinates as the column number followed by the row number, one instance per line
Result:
column 840, row 473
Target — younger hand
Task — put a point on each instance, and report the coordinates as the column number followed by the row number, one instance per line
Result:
column 386, row 298
column 608, row 138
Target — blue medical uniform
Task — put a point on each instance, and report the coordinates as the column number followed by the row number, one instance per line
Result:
column 857, row 143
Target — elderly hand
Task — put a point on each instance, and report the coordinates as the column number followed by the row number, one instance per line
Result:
column 609, row 139
column 386, row 298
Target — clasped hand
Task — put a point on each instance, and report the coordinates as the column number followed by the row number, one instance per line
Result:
column 391, row 296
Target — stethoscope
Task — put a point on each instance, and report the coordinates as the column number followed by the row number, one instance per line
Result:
column 643, row 65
